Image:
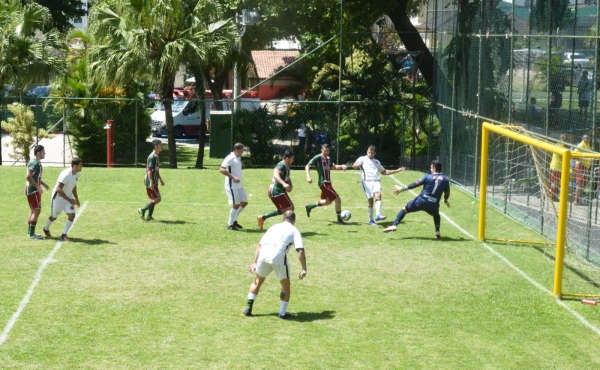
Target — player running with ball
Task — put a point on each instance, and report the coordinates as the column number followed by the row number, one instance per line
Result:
column 434, row 185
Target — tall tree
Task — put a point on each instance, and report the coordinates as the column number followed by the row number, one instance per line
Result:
column 62, row 11
column 154, row 37
column 26, row 56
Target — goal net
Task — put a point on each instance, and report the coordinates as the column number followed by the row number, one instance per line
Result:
column 523, row 176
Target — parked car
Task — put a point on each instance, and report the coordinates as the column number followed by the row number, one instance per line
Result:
column 186, row 120
column 39, row 92
column 186, row 115
column 577, row 60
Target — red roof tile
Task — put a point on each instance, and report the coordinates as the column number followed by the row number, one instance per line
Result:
column 268, row 62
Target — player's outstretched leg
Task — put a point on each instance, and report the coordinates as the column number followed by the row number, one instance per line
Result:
column 436, row 222
column 394, row 225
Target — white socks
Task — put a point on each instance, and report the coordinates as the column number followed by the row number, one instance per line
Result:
column 48, row 223
column 283, row 308
column 232, row 216
column 370, row 209
column 378, row 207
column 67, row 227
column 239, row 210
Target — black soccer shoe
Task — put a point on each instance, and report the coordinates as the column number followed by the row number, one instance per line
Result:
column 238, row 226
column 308, row 209
column 287, row 316
column 247, row 311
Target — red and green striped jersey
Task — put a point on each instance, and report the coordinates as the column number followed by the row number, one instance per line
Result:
column 323, row 165
column 152, row 164
column 35, row 167
column 276, row 188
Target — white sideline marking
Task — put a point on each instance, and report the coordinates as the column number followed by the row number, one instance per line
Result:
column 36, row 280
column 518, row 270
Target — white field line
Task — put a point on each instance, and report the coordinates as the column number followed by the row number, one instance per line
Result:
column 36, row 280
column 518, row 270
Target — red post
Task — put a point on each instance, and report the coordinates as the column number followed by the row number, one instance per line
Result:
column 109, row 143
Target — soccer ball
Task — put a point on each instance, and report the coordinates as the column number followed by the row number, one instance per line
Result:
column 346, row 215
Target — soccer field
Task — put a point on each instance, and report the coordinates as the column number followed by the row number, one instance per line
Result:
column 125, row 294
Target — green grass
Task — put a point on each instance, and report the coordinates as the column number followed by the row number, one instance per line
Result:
column 169, row 294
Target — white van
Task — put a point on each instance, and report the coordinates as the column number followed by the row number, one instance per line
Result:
column 186, row 116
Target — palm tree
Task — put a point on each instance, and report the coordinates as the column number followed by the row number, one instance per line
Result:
column 27, row 55
column 155, row 37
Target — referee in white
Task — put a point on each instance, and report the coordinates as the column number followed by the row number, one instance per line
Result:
column 271, row 256
column 370, row 169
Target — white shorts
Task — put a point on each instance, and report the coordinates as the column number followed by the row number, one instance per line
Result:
column 236, row 195
column 263, row 269
column 371, row 187
column 60, row 204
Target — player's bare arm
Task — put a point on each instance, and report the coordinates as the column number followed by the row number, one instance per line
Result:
column 76, row 196
column 162, row 183
column 62, row 194
column 446, row 196
column 340, row 167
column 277, row 177
column 29, row 179
column 399, row 189
column 307, row 168
column 45, row 185
column 302, row 258
column 228, row 174
column 252, row 267
column 391, row 172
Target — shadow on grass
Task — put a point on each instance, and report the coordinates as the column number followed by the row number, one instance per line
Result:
column 574, row 270
column 310, row 233
column 176, row 222
column 314, row 316
column 90, row 241
column 304, row 316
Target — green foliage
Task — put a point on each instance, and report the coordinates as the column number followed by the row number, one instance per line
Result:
column 27, row 55
column 23, row 132
column 155, row 37
column 256, row 130
column 550, row 15
column 63, row 11
column 86, row 117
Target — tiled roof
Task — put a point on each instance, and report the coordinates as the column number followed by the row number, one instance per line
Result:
column 268, row 62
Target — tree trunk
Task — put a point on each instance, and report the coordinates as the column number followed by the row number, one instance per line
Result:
column 410, row 37
column 199, row 87
column 216, row 87
column 167, row 94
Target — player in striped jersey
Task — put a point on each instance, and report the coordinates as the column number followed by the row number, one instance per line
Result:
column 151, row 180
column 280, row 186
column 324, row 166
column 34, row 190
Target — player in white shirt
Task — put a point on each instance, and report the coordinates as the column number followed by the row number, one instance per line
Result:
column 271, row 256
column 370, row 180
column 232, row 169
column 64, row 197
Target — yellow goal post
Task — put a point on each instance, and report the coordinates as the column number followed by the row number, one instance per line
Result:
column 514, row 133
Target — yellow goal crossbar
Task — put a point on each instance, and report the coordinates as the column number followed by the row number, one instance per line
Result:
column 566, row 154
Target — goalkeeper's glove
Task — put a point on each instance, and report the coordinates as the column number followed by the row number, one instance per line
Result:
column 398, row 189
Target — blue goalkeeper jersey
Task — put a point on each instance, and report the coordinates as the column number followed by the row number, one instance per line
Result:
column 434, row 185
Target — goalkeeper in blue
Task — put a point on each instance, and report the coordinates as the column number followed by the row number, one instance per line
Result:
column 434, row 185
